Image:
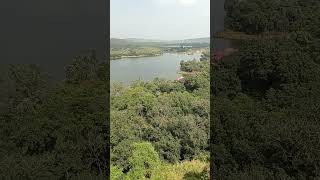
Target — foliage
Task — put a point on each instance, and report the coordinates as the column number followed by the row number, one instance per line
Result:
column 54, row 130
column 266, row 112
column 256, row 16
column 145, row 164
column 265, row 103
column 143, row 161
column 118, row 53
column 185, row 170
column 169, row 118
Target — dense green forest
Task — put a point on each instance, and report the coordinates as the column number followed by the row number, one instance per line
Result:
column 265, row 98
column 60, row 130
column 258, row 16
column 160, row 129
column 54, row 130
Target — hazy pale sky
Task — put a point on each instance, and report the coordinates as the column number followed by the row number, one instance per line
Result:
column 160, row 19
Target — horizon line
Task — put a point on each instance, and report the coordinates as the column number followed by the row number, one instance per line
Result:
column 158, row 39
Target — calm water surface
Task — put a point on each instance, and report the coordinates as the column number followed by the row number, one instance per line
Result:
column 165, row 66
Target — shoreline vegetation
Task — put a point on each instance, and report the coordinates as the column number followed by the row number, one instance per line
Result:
column 138, row 56
column 139, row 52
column 137, row 48
column 119, row 53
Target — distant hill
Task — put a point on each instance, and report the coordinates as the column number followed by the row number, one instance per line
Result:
column 143, row 40
column 189, row 41
column 115, row 43
column 135, row 42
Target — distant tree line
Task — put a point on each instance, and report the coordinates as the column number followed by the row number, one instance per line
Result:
column 118, row 53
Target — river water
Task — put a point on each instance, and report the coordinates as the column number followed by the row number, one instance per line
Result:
column 31, row 35
column 165, row 66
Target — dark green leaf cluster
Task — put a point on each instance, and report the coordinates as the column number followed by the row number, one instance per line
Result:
column 54, row 130
column 265, row 119
column 258, row 16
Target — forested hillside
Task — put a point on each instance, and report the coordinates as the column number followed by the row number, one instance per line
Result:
column 54, row 130
column 59, row 130
column 160, row 129
column 266, row 98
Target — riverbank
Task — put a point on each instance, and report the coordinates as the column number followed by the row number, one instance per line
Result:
column 190, row 51
column 134, row 52
column 139, row 56
column 194, row 51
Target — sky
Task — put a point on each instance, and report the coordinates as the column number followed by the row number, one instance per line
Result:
column 160, row 19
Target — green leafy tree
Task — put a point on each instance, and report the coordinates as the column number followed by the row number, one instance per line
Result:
column 143, row 161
